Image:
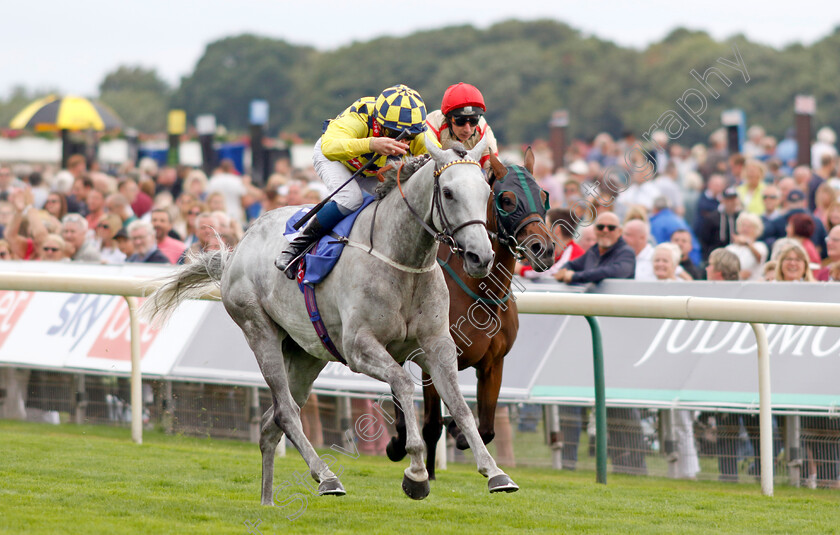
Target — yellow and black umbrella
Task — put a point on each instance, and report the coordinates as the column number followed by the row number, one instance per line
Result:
column 66, row 113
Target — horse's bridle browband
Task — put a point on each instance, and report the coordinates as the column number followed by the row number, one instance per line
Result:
column 450, row 164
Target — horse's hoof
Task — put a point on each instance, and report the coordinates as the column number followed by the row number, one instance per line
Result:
column 331, row 487
column 416, row 490
column 394, row 451
column 502, row 483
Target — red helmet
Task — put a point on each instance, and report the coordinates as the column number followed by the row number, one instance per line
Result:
column 460, row 96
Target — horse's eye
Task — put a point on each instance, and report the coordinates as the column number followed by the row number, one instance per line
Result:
column 506, row 201
column 447, row 194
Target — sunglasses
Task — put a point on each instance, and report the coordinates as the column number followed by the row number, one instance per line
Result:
column 394, row 133
column 771, row 196
column 50, row 249
column 602, row 227
column 461, row 121
column 193, row 212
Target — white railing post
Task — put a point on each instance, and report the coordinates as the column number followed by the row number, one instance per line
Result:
column 136, row 377
column 765, row 415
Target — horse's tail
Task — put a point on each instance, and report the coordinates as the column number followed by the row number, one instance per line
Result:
column 191, row 281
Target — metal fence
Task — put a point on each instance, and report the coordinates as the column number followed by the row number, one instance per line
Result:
column 641, row 441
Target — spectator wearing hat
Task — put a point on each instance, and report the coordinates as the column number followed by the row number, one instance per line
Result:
column 796, row 204
column 717, row 229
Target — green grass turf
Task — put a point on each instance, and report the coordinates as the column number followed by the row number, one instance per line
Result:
column 93, row 479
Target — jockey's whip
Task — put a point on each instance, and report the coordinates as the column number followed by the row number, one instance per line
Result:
column 355, row 175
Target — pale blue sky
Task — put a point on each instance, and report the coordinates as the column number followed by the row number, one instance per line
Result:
column 72, row 45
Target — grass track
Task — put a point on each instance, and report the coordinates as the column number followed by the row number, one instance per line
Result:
column 92, row 479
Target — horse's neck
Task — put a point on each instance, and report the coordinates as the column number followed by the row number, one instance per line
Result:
column 399, row 234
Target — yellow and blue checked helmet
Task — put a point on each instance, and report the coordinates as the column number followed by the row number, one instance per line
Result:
column 401, row 108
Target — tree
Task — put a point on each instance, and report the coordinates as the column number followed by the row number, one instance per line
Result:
column 138, row 96
column 236, row 70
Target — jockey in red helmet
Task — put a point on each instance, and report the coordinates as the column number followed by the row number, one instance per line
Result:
column 461, row 118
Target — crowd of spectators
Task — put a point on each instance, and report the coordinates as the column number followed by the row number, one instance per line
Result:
column 665, row 212
column 755, row 204
column 142, row 213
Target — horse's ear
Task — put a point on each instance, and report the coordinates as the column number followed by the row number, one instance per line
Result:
column 432, row 147
column 497, row 169
column 529, row 160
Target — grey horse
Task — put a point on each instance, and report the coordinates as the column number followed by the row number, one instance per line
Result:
column 380, row 305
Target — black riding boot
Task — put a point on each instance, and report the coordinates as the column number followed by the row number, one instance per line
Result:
column 311, row 233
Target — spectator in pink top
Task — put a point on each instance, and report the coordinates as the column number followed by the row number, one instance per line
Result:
column 169, row 246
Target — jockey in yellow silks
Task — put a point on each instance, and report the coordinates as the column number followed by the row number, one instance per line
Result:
column 364, row 131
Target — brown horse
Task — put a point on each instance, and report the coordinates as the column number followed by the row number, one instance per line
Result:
column 482, row 312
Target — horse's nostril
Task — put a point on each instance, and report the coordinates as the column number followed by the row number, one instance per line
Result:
column 537, row 249
column 472, row 258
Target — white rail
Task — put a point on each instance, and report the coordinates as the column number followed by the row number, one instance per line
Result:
column 754, row 312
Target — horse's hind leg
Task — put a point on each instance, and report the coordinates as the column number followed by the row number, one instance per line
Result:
column 396, row 446
column 264, row 337
column 432, row 423
column 367, row 355
column 440, row 361
column 305, row 368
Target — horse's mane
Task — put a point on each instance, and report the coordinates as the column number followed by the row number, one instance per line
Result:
column 409, row 166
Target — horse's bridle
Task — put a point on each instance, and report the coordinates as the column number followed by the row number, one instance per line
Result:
column 509, row 240
column 447, row 235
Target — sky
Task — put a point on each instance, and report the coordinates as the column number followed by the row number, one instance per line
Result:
column 71, row 46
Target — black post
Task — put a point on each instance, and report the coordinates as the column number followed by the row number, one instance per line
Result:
column 65, row 147
column 258, row 114
column 804, row 107
column 208, row 154
column 557, row 127
column 257, row 155
column 133, row 141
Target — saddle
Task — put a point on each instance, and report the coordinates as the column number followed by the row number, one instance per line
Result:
column 318, row 263
column 322, row 258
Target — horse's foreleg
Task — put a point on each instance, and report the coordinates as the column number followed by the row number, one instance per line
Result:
column 440, row 359
column 396, row 446
column 368, row 356
column 432, row 423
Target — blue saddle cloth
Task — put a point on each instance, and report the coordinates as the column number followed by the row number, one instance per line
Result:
column 323, row 257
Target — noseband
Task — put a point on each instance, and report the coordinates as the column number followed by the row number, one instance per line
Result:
column 509, row 240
